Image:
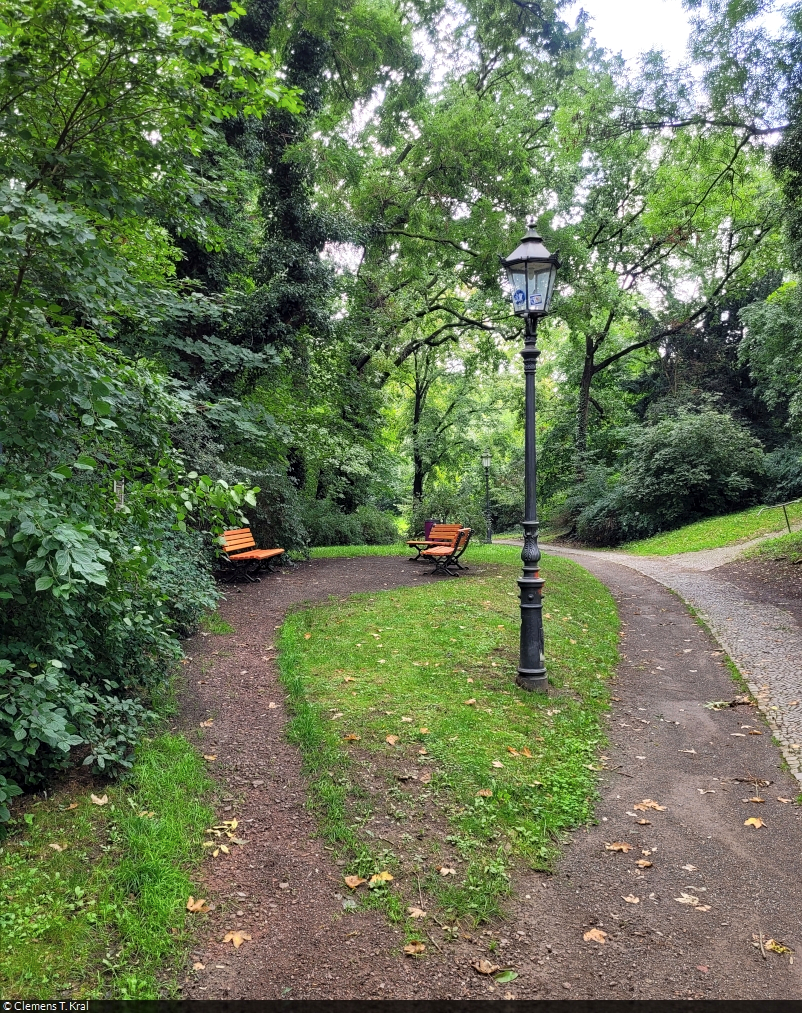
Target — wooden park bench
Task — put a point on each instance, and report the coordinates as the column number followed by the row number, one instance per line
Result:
column 441, row 534
column 241, row 557
column 446, row 556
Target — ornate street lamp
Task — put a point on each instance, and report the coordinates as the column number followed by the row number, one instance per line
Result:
column 488, row 521
column 531, row 272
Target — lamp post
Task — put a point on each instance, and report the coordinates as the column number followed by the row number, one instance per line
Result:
column 488, row 521
column 531, row 272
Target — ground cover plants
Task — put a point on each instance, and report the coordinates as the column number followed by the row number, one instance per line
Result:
column 716, row 532
column 425, row 761
column 95, row 880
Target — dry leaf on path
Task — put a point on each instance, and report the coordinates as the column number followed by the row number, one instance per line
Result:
column 416, row 912
column 198, row 906
column 237, row 938
column 643, row 863
column 644, row 823
column 485, row 967
column 210, row 757
column 207, row 724
column 754, row 821
column 102, row 800
column 776, row 946
column 618, row 846
column 415, row 947
column 381, row 877
column 755, row 798
column 354, row 881
column 58, row 847
column 784, row 801
column 689, row 868
column 392, row 739
column 595, row 936
column 445, row 870
column 485, row 793
column 631, row 899
column 425, row 777
column 272, row 705
column 692, row 901
column 497, row 763
column 649, row 803
column 198, row 966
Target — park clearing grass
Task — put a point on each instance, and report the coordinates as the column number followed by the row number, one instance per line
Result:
column 94, row 896
column 476, row 774
column 716, row 532
column 784, row 547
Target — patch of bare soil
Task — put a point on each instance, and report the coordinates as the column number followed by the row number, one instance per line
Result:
column 601, row 927
column 769, row 581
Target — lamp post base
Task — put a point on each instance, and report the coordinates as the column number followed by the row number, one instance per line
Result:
column 536, row 683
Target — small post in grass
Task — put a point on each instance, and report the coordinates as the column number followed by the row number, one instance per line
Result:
column 531, row 272
column 488, row 518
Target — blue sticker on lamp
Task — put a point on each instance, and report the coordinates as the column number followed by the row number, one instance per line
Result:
column 535, row 301
column 519, row 298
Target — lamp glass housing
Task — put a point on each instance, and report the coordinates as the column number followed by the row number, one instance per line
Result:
column 531, row 273
column 486, row 459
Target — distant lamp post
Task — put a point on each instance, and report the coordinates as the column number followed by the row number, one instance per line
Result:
column 488, row 520
column 531, row 272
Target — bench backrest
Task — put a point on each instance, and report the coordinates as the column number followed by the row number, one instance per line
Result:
column 445, row 533
column 237, row 540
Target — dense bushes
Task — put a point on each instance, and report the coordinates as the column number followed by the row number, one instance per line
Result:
column 326, row 524
column 96, row 588
column 689, row 465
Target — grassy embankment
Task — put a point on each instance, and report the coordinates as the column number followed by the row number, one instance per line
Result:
column 716, row 532
column 94, row 896
column 499, row 774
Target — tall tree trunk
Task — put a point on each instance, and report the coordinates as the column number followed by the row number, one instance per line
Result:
column 583, row 409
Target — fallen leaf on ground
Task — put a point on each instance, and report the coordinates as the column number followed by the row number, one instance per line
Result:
column 703, row 968
column 197, row 906
column 527, row 752
column 649, row 803
column 392, row 739
column 754, row 821
column 497, row 763
column 210, row 757
column 689, row 868
column 102, row 800
column 425, row 777
column 755, row 732
column 755, row 798
column 407, row 721
column 58, row 847
column 445, row 870
column 643, row 863
column 513, row 751
column 507, row 975
column 644, row 823
column 349, row 678
column 74, row 805
column 423, row 751
column 351, row 737
column 207, row 724
column 415, row 947
column 618, row 846
column 784, row 801
column 272, row 705
column 416, row 912
column 237, row 938
column 307, row 636
column 406, row 777
column 381, row 877
column 470, row 702
column 485, row 793
column 776, row 946
column 485, row 967
column 692, row 901
column 631, row 899
column 198, row 966
column 423, row 731
column 595, row 936
column 353, row 881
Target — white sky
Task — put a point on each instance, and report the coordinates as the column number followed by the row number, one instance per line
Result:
column 635, row 26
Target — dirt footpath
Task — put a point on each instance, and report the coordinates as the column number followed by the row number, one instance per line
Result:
column 283, row 887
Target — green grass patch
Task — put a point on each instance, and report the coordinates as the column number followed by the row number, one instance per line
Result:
column 716, row 532
column 350, row 551
column 785, row 547
column 213, row 622
column 104, row 917
column 403, row 663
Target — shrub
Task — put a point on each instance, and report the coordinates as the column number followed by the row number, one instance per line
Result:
column 784, row 473
column 378, row 528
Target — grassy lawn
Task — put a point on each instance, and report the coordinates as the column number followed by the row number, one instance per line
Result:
column 785, row 547
column 94, row 895
column 716, row 532
column 476, row 774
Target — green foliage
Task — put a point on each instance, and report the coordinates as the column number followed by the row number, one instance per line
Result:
column 772, row 346
column 682, row 467
column 433, row 639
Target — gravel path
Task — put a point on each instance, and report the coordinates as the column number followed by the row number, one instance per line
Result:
column 764, row 641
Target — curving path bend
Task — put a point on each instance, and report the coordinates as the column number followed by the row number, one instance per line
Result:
column 764, row 642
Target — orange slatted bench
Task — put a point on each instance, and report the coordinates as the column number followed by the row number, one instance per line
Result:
column 446, row 556
column 441, row 534
column 241, row 555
